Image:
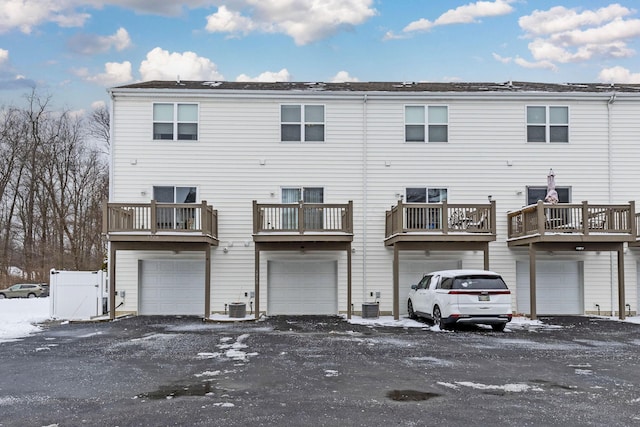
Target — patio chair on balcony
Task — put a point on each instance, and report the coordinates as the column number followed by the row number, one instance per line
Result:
column 597, row 222
column 480, row 224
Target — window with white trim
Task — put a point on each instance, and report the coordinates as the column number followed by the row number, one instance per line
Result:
column 313, row 217
column 175, row 217
column 426, row 123
column 302, row 123
column 174, row 121
column 547, row 123
column 423, row 217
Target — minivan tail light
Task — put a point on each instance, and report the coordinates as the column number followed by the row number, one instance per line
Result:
column 465, row 292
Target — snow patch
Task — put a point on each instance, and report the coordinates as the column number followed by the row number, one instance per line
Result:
column 511, row 388
column 19, row 317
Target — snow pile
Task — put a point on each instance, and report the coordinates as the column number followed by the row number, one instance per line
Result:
column 18, row 317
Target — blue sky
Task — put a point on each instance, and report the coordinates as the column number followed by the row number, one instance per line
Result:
column 74, row 50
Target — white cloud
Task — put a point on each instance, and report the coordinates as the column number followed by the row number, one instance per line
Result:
column 268, row 76
column 26, row 14
column 537, row 65
column 501, row 59
column 98, row 104
column 618, row 75
column 162, row 65
column 88, row 44
column 559, row 19
column 562, row 35
column 390, row 35
column 466, row 14
column 342, row 77
column 419, row 25
column 4, row 57
column 227, row 21
column 115, row 74
column 469, row 13
column 305, row 21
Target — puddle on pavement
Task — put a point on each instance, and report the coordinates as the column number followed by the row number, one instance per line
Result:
column 410, row 395
column 174, row 391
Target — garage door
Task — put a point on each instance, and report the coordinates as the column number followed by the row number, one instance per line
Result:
column 411, row 272
column 171, row 287
column 558, row 287
column 302, row 287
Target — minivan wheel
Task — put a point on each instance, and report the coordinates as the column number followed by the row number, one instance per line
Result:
column 499, row 327
column 437, row 317
column 412, row 313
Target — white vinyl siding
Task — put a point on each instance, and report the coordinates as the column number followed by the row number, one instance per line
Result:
column 234, row 163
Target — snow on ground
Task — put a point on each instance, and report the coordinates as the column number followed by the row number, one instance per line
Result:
column 20, row 317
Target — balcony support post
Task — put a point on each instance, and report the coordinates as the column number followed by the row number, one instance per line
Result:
column 112, row 280
column 532, row 282
column 486, row 256
column 207, row 281
column 257, row 280
column 396, row 281
column 621, row 300
column 349, row 299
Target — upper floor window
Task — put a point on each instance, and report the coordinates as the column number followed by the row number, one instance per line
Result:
column 426, row 123
column 547, row 124
column 175, row 121
column 302, row 123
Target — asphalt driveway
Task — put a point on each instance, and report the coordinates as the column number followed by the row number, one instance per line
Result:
column 320, row 371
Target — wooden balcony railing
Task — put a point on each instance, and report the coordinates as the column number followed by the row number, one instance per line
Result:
column 543, row 218
column 302, row 218
column 442, row 218
column 157, row 217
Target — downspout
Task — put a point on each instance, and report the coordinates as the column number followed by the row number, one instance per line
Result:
column 364, row 196
column 612, row 261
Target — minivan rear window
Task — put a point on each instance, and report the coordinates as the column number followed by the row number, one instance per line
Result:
column 479, row 282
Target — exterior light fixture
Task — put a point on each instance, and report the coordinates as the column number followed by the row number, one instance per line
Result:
column 579, row 248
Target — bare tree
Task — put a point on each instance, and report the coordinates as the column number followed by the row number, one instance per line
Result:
column 98, row 126
column 52, row 183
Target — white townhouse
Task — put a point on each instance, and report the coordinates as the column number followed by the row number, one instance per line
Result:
column 316, row 198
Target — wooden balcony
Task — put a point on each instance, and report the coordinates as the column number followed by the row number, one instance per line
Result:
column 636, row 242
column 572, row 224
column 302, row 222
column 440, row 222
column 161, row 222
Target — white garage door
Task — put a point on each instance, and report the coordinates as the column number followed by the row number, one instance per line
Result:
column 302, row 287
column 558, row 287
column 171, row 287
column 412, row 271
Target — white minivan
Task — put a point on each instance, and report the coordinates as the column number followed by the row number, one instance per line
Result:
column 454, row 297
